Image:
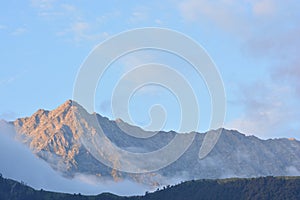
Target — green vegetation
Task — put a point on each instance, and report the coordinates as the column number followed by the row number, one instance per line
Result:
column 251, row 188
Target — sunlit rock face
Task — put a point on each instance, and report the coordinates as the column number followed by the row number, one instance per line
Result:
column 57, row 137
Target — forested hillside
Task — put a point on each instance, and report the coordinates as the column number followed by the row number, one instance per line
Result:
column 255, row 188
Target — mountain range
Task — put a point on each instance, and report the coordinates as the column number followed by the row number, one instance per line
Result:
column 64, row 138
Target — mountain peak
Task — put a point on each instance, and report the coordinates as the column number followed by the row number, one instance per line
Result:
column 69, row 103
column 67, row 106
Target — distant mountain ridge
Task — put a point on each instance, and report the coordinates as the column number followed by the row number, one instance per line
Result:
column 55, row 137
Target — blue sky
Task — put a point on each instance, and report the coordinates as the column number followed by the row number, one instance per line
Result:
column 255, row 45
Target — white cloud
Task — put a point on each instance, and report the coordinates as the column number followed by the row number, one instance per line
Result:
column 224, row 14
column 292, row 171
column 243, row 18
column 9, row 80
column 264, row 7
column 266, row 113
column 80, row 27
column 268, row 32
column 136, row 58
column 107, row 17
column 52, row 10
column 19, row 31
column 137, row 17
column 2, row 27
column 20, row 164
column 8, row 115
column 82, row 31
column 43, row 4
column 71, row 19
column 68, row 7
column 288, row 74
column 158, row 21
column 139, row 14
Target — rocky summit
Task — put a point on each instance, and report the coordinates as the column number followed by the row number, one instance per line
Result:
column 58, row 137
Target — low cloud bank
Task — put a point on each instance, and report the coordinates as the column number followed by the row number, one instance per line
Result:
column 19, row 163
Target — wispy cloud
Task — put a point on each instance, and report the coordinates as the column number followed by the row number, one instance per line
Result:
column 139, row 14
column 105, row 18
column 82, row 31
column 22, row 165
column 289, row 75
column 10, row 115
column 223, row 14
column 263, row 7
column 266, row 111
column 158, row 21
column 79, row 28
column 19, row 31
column 270, row 107
column 267, row 31
column 68, row 7
column 43, row 4
column 2, row 27
column 245, row 19
column 9, row 80
column 74, row 26
column 53, row 10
